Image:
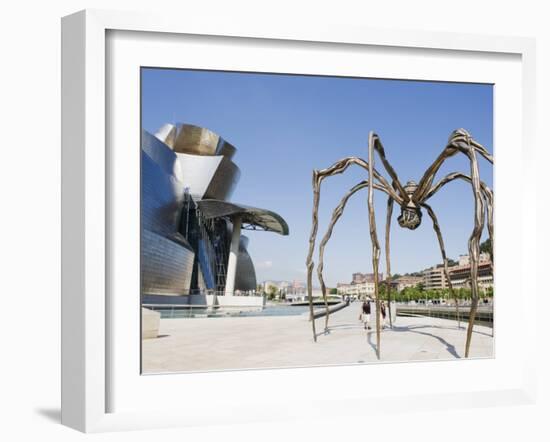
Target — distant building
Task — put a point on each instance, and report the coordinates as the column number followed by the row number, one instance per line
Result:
column 291, row 289
column 460, row 274
column 358, row 278
column 406, row 281
column 358, row 290
column 297, row 290
column 464, row 260
column 362, row 284
column 434, row 278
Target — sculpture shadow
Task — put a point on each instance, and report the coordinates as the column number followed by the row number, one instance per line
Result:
column 346, row 327
column 370, row 341
column 401, row 329
column 412, row 329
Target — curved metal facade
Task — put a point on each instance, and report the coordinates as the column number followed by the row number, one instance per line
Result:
column 245, row 279
column 209, row 176
column 261, row 218
column 166, row 256
column 197, row 140
column 185, row 246
column 166, row 264
column 167, row 134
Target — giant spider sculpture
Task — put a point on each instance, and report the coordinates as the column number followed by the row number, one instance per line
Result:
column 412, row 199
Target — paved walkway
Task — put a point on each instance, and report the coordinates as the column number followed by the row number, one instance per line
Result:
column 268, row 342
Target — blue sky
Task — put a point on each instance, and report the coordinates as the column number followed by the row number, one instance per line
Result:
column 285, row 126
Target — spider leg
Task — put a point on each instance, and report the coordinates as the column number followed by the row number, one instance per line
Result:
column 378, row 147
column 309, row 262
column 336, row 215
column 460, row 141
column 487, row 196
column 374, row 240
column 388, row 268
column 473, row 243
column 437, row 230
column 317, row 178
column 399, row 187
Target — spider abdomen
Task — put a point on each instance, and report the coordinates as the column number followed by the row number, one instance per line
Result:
column 410, row 218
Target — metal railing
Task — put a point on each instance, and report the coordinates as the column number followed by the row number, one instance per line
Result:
column 484, row 315
column 174, row 311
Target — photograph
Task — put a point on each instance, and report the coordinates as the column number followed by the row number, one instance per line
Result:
column 269, row 221
column 293, row 220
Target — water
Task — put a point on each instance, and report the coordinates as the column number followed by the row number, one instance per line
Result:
column 203, row 312
column 279, row 310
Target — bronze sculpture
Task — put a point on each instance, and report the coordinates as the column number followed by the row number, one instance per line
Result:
column 411, row 198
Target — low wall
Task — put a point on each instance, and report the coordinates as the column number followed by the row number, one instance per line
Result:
column 484, row 314
column 320, row 312
column 252, row 302
column 150, row 323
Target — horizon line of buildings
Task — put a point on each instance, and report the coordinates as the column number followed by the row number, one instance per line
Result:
column 432, row 278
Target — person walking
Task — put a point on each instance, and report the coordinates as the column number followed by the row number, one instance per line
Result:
column 365, row 314
column 383, row 313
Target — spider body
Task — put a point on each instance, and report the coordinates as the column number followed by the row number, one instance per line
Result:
column 410, row 218
column 411, row 215
column 412, row 199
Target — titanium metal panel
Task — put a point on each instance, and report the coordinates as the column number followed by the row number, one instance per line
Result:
column 207, row 269
column 161, row 198
column 254, row 216
column 193, row 159
column 224, row 181
column 166, row 265
column 245, row 279
column 166, row 257
column 209, row 176
column 167, row 134
column 197, row 140
column 161, row 154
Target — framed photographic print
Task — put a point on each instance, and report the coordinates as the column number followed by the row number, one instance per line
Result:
column 225, row 250
column 209, row 304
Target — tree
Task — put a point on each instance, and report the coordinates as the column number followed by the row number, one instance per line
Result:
column 486, row 247
column 420, row 286
column 333, row 291
column 272, row 292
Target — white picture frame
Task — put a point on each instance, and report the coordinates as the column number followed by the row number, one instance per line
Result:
column 87, row 353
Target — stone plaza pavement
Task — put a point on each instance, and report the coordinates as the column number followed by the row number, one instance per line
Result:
column 202, row 344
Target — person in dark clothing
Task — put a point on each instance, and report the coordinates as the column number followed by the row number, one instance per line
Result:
column 365, row 314
column 383, row 312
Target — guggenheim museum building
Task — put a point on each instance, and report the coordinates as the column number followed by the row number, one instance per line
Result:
column 192, row 249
